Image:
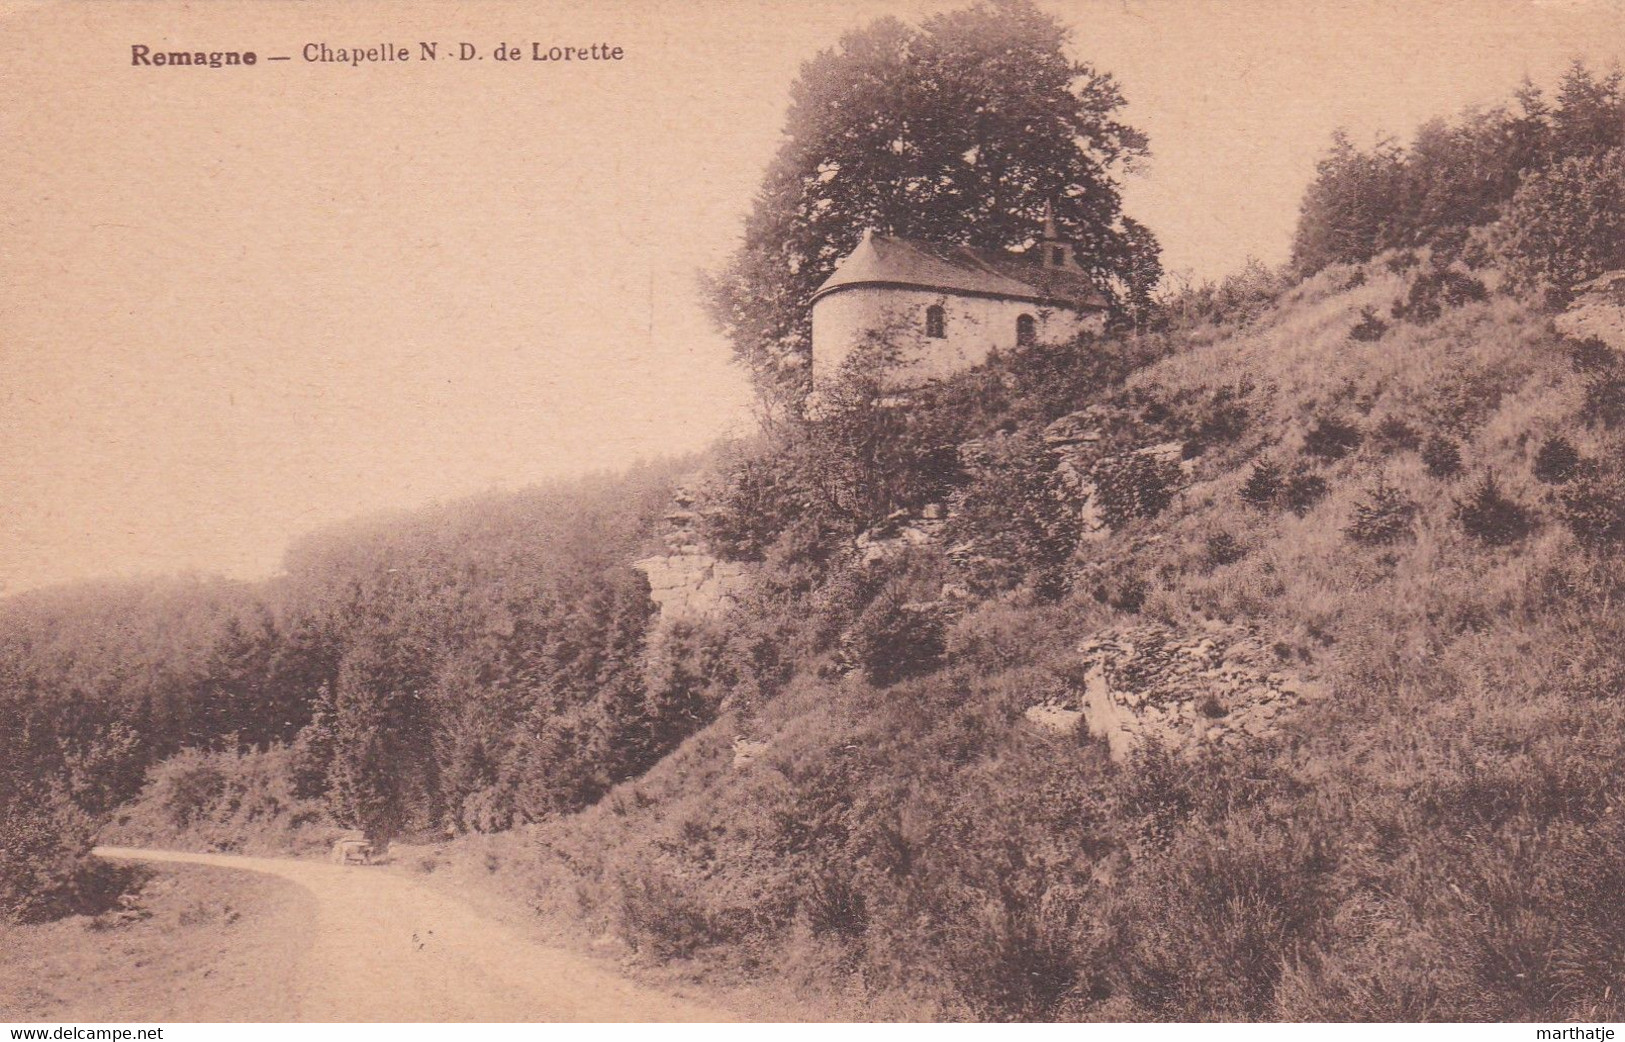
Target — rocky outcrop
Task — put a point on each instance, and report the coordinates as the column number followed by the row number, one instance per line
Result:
column 900, row 531
column 1597, row 310
column 1082, row 452
column 688, row 582
column 1077, row 441
column 693, row 585
column 1187, row 692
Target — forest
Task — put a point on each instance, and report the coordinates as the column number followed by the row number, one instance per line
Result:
column 473, row 666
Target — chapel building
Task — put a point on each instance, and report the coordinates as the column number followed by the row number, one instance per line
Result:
column 942, row 309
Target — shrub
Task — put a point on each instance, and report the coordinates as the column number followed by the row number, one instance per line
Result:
column 1441, row 456
column 189, row 787
column 1222, row 418
column 1591, row 355
column 1016, row 511
column 1370, row 328
column 1303, row 490
column 1133, row 486
column 1264, row 485
column 1489, row 516
column 1385, row 515
column 760, row 497
column 664, row 916
column 1433, row 291
column 893, row 640
column 1556, row 461
column 45, row 859
column 1395, row 435
column 1205, row 931
column 1593, row 508
column 1331, row 438
column 1222, row 549
column 1604, row 402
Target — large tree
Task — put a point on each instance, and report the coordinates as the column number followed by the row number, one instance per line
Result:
column 958, row 131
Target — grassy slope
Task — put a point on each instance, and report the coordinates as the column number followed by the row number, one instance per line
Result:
column 206, row 945
column 1438, row 840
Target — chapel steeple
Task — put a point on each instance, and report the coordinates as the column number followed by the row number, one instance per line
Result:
column 1053, row 251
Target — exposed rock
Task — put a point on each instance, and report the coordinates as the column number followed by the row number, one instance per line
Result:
column 692, row 585
column 688, row 582
column 1055, row 719
column 977, row 455
column 1185, row 691
column 1078, row 428
column 1080, row 447
column 896, row 534
column 1598, row 310
column 1167, row 452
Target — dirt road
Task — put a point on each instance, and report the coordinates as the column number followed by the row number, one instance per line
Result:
column 383, row 948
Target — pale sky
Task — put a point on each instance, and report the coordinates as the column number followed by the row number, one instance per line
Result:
column 240, row 304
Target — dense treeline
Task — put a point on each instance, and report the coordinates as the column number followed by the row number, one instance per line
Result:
column 466, row 667
column 1465, row 174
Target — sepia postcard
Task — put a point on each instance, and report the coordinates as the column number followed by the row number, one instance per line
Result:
column 997, row 511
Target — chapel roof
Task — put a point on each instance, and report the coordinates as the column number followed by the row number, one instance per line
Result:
column 890, row 260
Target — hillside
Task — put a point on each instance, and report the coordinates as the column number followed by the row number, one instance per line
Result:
column 1265, row 668
column 1397, row 801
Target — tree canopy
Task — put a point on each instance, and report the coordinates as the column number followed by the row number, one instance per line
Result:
column 1456, row 175
column 958, row 131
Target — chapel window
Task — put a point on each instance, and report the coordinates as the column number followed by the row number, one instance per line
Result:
column 936, row 322
column 1026, row 330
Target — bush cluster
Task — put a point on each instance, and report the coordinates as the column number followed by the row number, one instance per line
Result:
column 1268, row 487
